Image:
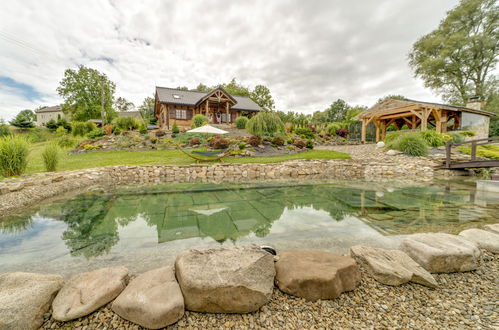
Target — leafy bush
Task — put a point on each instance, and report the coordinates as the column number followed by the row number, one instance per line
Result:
column 194, row 141
column 175, row 129
column 342, row 132
column 456, row 137
column 14, row 151
column 218, row 142
column 412, row 144
column 127, row 123
column 199, row 120
column 310, row 144
column 278, row 141
column 108, row 129
column 154, row 140
column 332, row 128
column 60, row 131
column 265, row 123
column 51, row 124
column 24, row 119
column 142, row 129
column 96, row 133
column 289, row 141
column 117, row 131
column 300, row 144
column 254, row 141
column 433, row 139
column 66, row 141
column 305, row 133
column 241, row 122
column 50, row 157
column 81, row 128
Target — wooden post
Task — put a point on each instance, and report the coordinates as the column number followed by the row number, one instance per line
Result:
column 383, row 130
column 207, row 110
column 447, row 154
column 363, row 133
column 378, row 132
column 167, row 117
column 424, row 120
column 414, row 122
column 227, row 112
column 444, row 120
column 473, row 150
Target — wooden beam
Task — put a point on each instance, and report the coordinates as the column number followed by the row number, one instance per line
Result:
column 409, row 122
column 378, row 131
column 420, row 116
column 227, row 115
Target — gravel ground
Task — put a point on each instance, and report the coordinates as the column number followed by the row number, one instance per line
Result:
column 463, row 301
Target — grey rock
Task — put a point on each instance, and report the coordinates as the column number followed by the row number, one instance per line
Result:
column 391, row 267
column 87, row 292
column 226, row 280
column 486, row 240
column 152, row 300
column 25, row 297
column 315, row 275
column 442, row 253
column 493, row 228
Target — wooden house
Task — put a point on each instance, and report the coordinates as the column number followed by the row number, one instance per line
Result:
column 418, row 115
column 174, row 105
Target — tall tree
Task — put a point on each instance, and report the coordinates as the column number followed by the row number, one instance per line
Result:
column 122, row 104
column 261, row 96
column 82, row 90
column 458, row 59
column 337, row 111
column 235, row 88
column 24, row 119
column 202, row 88
column 146, row 109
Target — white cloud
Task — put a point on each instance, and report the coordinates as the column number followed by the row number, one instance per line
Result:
column 307, row 53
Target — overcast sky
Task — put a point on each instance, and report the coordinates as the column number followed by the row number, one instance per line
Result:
column 309, row 53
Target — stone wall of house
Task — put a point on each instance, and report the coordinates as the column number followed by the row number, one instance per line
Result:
column 20, row 193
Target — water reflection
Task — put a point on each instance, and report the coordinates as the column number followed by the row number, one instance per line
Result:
column 231, row 212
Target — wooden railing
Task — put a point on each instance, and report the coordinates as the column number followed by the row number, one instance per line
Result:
column 474, row 144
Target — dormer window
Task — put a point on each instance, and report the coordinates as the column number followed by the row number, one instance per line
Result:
column 176, row 96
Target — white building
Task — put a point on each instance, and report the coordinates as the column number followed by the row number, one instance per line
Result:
column 49, row 113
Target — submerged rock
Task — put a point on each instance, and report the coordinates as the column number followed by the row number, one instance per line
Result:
column 316, row 275
column 86, row 292
column 152, row 300
column 391, row 267
column 226, row 280
column 25, row 297
column 486, row 240
column 442, row 253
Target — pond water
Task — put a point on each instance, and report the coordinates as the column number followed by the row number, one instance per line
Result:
column 146, row 225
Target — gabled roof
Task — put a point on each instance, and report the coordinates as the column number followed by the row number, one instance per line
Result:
column 191, row 98
column 55, row 108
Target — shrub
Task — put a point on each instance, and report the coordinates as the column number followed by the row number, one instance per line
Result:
column 127, row 123
column 108, row 129
column 312, row 128
column 50, row 157
column 305, row 133
column 278, row 141
column 456, row 137
column 80, row 128
column 142, row 129
column 300, row 144
column 242, row 146
column 13, row 155
column 194, row 141
column 92, row 146
column 289, row 141
column 412, row 144
column 265, row 123
column 154, row 140
column 254, row 141
column 241, row 122
column 117, row 131
column 391, row 139
column 66, row 141
column 90, row 126
column 60, row 131
column 160, row 132
column 310, row 144
column 4, row 129
column 332, row 128
column 51, row 124
column 175, row 129
column 199, row 120
column 96, row 133
column 218, row 142
column 342, row 132
column 432, row 138
column 35, row 135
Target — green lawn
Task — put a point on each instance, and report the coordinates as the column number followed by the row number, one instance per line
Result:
column 156, row 157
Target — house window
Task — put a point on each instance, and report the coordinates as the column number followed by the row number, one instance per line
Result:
column 181, row 114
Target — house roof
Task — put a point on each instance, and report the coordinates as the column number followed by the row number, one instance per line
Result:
column 55, row 108
column 386, row 107
column 168, row 95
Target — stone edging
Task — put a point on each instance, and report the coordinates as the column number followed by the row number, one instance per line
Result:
column 26, row 191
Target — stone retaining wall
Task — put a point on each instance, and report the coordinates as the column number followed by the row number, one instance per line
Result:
column 27, row 191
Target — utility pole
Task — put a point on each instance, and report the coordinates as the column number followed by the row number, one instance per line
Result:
column 102, row 113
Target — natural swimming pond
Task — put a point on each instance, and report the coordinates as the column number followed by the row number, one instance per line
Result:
column 128, row 225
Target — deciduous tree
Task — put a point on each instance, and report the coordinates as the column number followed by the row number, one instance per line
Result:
column 261, row 96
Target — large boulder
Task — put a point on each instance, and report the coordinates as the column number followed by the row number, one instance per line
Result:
column 226, row 280
column 25, row 297
column 493, row 228
column 391, row 267
column 87, row 292
column 486, row 240
column 152, row 300
column 315, row 274
column 442, row 253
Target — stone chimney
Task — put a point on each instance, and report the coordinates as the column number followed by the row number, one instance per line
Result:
column 475, row 103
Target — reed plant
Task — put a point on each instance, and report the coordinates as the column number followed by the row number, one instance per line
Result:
column 14, row 151
column 50, row 157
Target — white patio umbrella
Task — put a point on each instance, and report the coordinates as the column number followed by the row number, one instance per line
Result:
column 207, row 129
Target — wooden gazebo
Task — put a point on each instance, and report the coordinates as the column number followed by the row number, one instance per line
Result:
column 414, row 114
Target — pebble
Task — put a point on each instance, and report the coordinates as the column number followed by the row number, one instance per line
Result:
column 464, row 300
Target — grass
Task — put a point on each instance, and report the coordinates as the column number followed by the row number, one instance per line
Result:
column 489, row 151
column 155, row 157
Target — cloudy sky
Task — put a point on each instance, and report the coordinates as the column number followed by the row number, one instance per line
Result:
column 309, row 53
